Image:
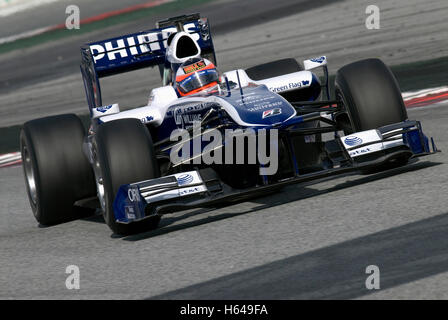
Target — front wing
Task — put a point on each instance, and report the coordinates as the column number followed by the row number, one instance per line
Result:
column 203, row 188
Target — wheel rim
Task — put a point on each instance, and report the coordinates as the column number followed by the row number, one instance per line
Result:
column 342, row 102
column 98, row 180
column 100, row 192
column 29, row 175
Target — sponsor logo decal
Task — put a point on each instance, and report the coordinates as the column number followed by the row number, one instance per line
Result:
column 318, row 60
column 133, row 195
column 147, row 119
column 188, row 191
column 360, row 152
column 184, row 179
column 310, row 138
column 187, row 108
column 259, row 107
column 272, row 112
column 129, row 210
column 295, row 85
column 278, row 89
column 194, row 67
column 103, row 109
column 289, row 86
column 186, row 119
column 135, row 44
column 352, row 141
column 186, row 114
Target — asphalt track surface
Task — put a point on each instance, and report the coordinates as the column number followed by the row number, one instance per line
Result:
column 312, row 241
column 308, row 241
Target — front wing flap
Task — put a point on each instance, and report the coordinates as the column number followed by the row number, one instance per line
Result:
column 132, row 200
column 407, row 136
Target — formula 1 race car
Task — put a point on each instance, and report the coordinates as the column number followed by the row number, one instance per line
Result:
column 129, row 166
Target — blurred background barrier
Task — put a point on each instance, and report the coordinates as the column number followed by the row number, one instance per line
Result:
column 9, row 7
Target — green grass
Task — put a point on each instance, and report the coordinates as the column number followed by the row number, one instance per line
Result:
column 417, row 75
column 9, row 139
column 97, row 25
column 10, row 136
column 423, row 74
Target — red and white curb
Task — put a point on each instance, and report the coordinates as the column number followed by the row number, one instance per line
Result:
column 425, row 97
column 411, row 99
column 10, row 159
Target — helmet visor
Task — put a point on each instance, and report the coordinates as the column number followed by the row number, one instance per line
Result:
column 198, row 80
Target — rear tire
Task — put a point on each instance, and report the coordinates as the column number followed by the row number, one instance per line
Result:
column 57, row 173
column 124, row 153
column 371, row 95
column 273, row 69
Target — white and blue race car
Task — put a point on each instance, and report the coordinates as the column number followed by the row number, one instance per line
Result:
column 129, row 166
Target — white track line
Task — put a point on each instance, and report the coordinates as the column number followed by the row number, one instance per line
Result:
column 423, row 93
column 15, row 6
column 10, row 157
column 23, row 35
column 11, row 163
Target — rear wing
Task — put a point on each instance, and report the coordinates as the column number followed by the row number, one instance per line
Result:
column 138, row 50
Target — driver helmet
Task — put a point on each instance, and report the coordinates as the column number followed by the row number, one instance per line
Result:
column 195, row 75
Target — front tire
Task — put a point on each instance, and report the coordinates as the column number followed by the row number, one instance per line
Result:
column 370, row 94
column 123, row 153
column 372, row 99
